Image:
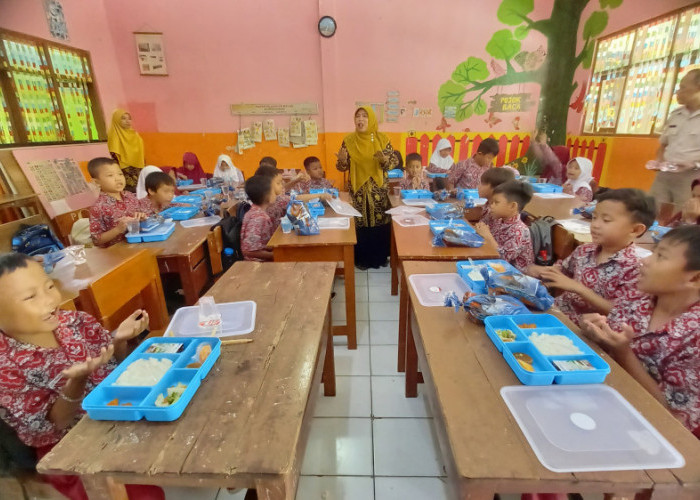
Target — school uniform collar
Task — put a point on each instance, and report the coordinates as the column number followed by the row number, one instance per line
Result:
column 625, row 254
column 683, row 110
column 111, row 199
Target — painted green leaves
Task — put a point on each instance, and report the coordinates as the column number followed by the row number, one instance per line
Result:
column 472, row 70
column 595, row 24
column 503, row 45
column 514, row 12
column 452, row 92
column 613, row 4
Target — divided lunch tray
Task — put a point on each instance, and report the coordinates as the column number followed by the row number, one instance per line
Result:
column 464, row 194
column 432, row 288
column 184, row 182
column 542, row 187
column 160, row 233
column 213, row 191
column 180, row 213
column 316, row 208
column 434, row 175
column 395, row 173
column 437, row 226
column 545, row 371
column 237, row 318
column 137, row 402
column 416, row 194
column 191, row 199
column 333, row 191
column 470, row 272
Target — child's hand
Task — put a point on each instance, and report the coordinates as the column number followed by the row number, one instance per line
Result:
column 85, row 368
column 482, row 230
column 140, row 216
column 123, row 224
column 568, row 189
column 132, row 326
column 302, row 177
column 555, row 278
column 691, row 210
column 325, row 196
column 181, row 176
column 416, row 181
column 598, row 330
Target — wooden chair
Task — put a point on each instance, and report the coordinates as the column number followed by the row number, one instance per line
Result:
column 134, row 284
column 563, row 242
column 215, row 245
column 665, row 212
column 64, row 223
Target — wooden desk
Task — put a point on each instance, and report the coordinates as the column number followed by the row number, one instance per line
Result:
column 247, row 425
column 559, row 208
column 332, row 245
column 185, row 254
column 415, row 243
column 482, row 446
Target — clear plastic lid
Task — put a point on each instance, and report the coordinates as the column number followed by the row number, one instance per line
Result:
column 432, row 288
column 237, row 318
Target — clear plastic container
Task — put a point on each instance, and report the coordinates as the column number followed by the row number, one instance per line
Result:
column 237, row 318
column 432, row 288
column 208, row 316
column 588, row 428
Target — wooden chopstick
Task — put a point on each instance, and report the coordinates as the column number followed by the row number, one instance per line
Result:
column 236, row 341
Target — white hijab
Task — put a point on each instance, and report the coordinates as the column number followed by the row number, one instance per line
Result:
column 141, row 192
column 439, row 161
column 232, row 174
column 586, row 176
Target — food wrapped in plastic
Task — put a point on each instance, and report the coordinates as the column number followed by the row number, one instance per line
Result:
column 586, row 211
column 303, row 222
column 455, row 237
column 483, row 306
column 529, row 290
column 441, row 211
column 657, row 232
column 441, row 195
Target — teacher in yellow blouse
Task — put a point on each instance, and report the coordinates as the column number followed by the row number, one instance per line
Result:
column 126, row 146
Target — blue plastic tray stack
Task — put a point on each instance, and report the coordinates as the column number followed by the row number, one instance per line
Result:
column 435, row 175
column 316, row 209
column 395, row 173
column 180, row 213
column 416, row 194
column 543, row 187
column 161, row 232
column 190, row 199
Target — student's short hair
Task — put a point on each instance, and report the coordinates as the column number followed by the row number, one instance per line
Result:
column 268, row 171
column 694, row 75
column 640, row 206
column 155, row 180
column 488, row 145
column 10, row 262
column 268, row 160
column 96, row 164
column 495, row 176
column 309, row 160
column 258, row 188
column 688, row 235
column 413, row 157
column 517, row 191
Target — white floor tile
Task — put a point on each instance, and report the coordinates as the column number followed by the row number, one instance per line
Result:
column 385, row 269
column 362, row 328
column 360, row 278
column 335, row 488
column 405, row 447
column 352, row 362
column 384, row 359
column 352, row 399
column 383, row 332
column 384, row 311
column 379, row 279
column 361, row 294
column 389, row 399
column 382, row 294
column 224, row 494
column 339, row 314
column 179, row 493
column 415, row 488
column 339, row 447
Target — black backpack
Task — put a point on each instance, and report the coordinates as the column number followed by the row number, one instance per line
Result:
column 541, row 233
column 35, row 240
column 231, row 230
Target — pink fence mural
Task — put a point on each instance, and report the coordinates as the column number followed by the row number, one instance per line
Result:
column 593, row 148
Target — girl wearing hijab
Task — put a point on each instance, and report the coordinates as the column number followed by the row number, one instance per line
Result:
column 141, row 192
column 226, row 170
column 441, row 161
column 367, row 154
column 191, row 169
column 579, row 174
column 126, row 146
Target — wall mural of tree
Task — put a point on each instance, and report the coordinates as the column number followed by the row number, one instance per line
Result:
column 473, row 78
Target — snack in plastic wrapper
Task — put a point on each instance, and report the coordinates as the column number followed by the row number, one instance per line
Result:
column 657, row 232
column 441, row 195
column 299, row 216
column 529, row 290
column 455, row 237
column 483, row 306
column 441, row 211
column 586, row 211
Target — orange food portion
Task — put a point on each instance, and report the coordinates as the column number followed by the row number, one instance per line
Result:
column 499, row 268
column 114, row 402
column 194, row 365
column 526, row 366
column 527, row 325
column 204, row 352
column 127, row 404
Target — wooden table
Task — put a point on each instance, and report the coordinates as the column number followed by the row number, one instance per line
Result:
column 183, row 253
column 332, row 245
column 415, row 243
column 559, row 208
column 247, row 425
column 482, row 446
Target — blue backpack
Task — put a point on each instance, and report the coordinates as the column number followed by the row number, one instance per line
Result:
column 36, row 240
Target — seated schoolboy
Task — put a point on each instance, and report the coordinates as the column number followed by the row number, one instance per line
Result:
column 257, row 226
column 413, row 177
column 50, row 359
column 317, row 179
column 161, row 191
column 690, row 213
column 467, row 173
column 599, row 273
column 114, row 208
column 287, row 185
column 507, row 232
column 655, row 337
column 490, row 180
column 579, row 174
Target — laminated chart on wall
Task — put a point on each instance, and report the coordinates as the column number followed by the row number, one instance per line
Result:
column 245, row 140
column 270, row 130
column 283, row 137
column 256, row 131
column 59, row 183
column 310, row 132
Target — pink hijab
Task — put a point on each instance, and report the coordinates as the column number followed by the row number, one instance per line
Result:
column 195, row 174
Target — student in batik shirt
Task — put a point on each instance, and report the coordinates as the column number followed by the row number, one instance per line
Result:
column 258, row 228
column 597, row 274
column 507, row 232
column 467, row 173
column 413, row 177
column 490, row 180
column 317, row 177
column 656, row 337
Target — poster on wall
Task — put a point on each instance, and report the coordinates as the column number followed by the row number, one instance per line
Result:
column 151, row 54
column 270, row 130
column 256, row 131
column 283, row 137
column 56, row 19
column 393, row 106
column 245, row 140
column 59, row 183
column 310, row 132
column 295, row 126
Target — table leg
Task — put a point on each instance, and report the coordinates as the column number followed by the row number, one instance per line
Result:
column 328, row 377
column 103, row 488
column 411, row 363
column 188, row 285
column 393, row 262
column 349, row 270
column 403, row 320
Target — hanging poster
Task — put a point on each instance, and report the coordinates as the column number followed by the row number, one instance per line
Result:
column 310, row 132
column 256, row 131
column 56, row 19
column 295, row 126
column 151, row 54
column 283, row 137
column 393, row 106
column 245, row 140
column 270, row 129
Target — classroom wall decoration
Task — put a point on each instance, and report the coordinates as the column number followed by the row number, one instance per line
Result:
column 270, row 130
column 553, row 66
column 56, row 19
column 283, row 137
column 151, row 54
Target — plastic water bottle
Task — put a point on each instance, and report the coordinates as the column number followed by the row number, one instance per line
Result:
column 227, row 260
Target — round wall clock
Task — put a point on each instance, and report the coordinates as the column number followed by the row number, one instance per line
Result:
column 327, row 26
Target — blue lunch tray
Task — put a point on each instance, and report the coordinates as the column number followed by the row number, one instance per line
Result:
column 464, row 194
column 184, row 182
column 543, row 187
column 333, row 191
column 545, row 372
column 528, row 178
column 416, row 194
column 142, row 398
column 212, row 190
column 464, row 267
column 434, row 175
column 437, row 226
column 316, row 208
column 180, row 213
column 192, row 199
column 160, row 233
column 395, row 173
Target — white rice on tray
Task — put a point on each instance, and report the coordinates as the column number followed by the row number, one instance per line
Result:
column 144, row 372
column 554, row 345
